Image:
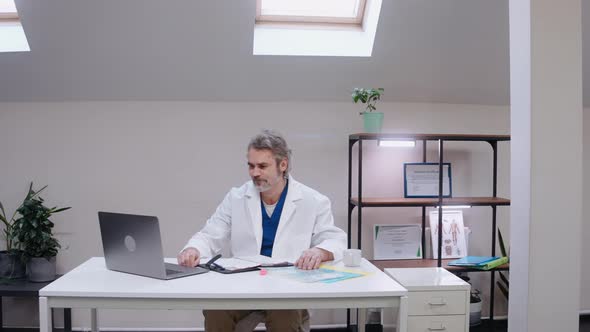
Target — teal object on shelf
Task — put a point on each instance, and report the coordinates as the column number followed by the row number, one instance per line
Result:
column 373, row 121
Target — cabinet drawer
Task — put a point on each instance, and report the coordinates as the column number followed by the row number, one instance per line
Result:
column 437, row 303
column 454, row 323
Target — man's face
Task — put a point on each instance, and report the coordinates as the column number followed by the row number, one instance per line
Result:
column 263, row 169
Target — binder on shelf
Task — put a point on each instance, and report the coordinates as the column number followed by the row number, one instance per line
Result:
column 480, row 262
column 493, row 264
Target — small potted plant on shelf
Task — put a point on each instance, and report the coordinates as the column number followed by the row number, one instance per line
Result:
column 12, row 259
column 32, row 231
column 373, row 121
column 12, row 262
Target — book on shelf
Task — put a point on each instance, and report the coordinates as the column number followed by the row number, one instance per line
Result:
column 480, row 262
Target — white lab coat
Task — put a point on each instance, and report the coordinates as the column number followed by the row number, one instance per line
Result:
column 306, row 222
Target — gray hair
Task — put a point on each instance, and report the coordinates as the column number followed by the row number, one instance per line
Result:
column 276, row 143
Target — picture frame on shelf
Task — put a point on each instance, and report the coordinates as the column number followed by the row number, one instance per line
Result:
column 397, row 241
column 453, row 234
column 421, row 180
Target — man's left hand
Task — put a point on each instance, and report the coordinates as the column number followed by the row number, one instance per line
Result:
column 312, row 258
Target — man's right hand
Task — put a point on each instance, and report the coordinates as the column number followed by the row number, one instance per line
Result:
column 189, row 257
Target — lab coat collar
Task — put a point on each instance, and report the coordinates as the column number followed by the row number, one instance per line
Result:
column 294, row 194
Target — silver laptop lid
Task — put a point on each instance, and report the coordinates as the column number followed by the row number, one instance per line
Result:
column 132, row 244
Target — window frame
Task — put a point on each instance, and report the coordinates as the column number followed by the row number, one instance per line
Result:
column 356, row 21
column 8, row 17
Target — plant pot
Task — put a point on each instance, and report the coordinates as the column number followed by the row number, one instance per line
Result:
column 12, row 265
column 475, row 313
column 41, row 269
column 373, row 121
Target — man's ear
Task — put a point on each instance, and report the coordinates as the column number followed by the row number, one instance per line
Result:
column 283, row 165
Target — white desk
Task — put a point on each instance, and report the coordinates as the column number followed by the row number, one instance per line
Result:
column 92, row 286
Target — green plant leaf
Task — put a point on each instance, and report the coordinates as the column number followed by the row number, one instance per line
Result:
column 502, row 246
column 503, row 289
column 504, row 279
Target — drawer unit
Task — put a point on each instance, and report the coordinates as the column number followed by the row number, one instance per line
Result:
column 437, row 303
column 453, row 323
column 437, row 299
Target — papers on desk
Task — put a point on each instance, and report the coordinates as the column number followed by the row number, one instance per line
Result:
column 326, row 274
column 242, row 264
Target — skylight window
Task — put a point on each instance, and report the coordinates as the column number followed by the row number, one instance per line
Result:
column 311, row 11
column 8, row 10
column 12, row 35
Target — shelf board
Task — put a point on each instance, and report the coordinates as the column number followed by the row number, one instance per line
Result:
column 407, row 263
column 429, row 137
column 400, row 201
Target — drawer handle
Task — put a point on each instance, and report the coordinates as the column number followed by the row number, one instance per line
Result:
column 439, row 302
column 440, row 327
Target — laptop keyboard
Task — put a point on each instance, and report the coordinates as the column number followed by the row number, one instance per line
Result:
column 172, row 269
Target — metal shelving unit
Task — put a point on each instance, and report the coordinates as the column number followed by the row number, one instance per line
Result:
column 359, row 202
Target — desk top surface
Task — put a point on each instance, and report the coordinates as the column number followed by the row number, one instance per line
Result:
column 92, row 279
column 427, row 278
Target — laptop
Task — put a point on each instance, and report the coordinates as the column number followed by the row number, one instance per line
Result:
column 132, row 244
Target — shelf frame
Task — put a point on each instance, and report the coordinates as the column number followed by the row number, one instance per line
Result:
column 493, row 201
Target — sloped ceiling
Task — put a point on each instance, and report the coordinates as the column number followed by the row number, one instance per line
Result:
column 451, row 51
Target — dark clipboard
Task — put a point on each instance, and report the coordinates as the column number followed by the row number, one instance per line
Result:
column 212, row 266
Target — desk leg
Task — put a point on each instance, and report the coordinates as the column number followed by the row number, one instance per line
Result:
column 362, row 321
column 402, row 315
column 44, row 315
column 94, row 320
column 67, row 320
column 1, row 318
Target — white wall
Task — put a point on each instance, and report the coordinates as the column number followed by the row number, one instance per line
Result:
column 176, row 160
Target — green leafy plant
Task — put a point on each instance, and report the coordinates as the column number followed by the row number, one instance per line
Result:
column 474, row 296
column 367, row 96
column 503, row 283
column 7, row 227
column 9, row 223
column 32, row 231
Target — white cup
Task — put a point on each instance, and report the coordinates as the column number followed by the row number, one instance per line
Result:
column 352, row 257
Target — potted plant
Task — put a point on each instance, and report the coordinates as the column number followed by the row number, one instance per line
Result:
column 12, row 263
column 33, row 233
column 12, row 259
column 474, row 308
column 474, row 303
column 373, row 121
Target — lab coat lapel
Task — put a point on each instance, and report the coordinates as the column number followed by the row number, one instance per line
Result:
column 255, row 213
column 293, row 195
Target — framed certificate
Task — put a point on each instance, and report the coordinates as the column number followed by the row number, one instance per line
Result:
column 397, row 242
column 421, row 180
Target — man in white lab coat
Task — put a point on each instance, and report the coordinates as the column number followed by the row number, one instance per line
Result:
column 271, row 215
